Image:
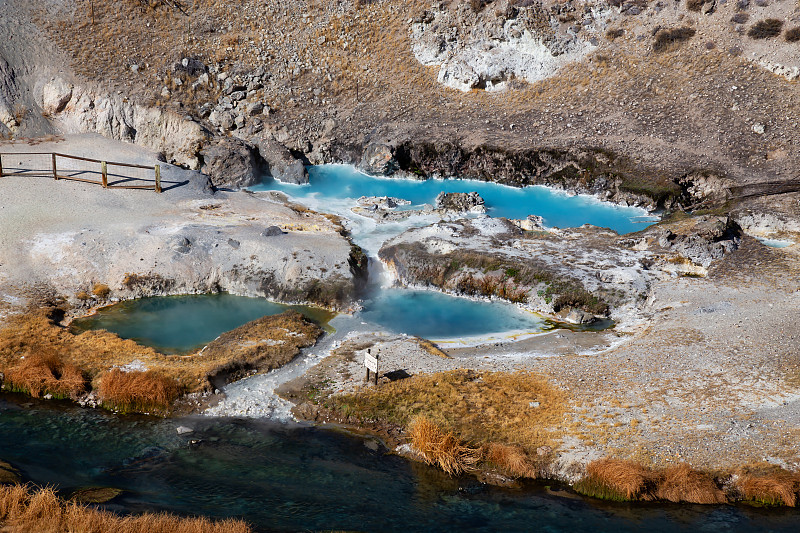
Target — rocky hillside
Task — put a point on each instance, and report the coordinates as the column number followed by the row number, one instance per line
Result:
column 664, row 90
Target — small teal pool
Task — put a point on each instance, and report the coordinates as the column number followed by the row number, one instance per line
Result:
column 434, row 315
column 775, row 243
column 338, row 182
column 181, row 324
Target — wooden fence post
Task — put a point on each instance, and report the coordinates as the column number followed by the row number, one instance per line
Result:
column 158, row 178
column 55, row 170
column 104, row 171
column 1, row 165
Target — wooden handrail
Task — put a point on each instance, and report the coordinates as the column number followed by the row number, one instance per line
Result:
column 103, row 170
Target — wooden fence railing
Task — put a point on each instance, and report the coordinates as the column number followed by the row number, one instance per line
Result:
column 109, row 174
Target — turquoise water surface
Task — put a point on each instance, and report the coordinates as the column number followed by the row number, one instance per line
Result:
column 180, row 324
column 434, row 315
column 338, row 182
column 287, row 477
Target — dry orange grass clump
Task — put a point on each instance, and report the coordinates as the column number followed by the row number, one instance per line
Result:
column 510, row 460
column 138, row 391
column 681, row 483
column 615, row 479
column 769, row 485
column 442, row 448
column 25, row 509
column 479, row 407
column 45, row 373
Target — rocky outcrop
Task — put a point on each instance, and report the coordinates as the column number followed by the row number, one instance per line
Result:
column 75, row 109
column 586, row 170
column 9, row 93
column 701, row 240
column 460, row 202
column 595, row 274
column 280, row 163
column 488, row 48
column 230, row 163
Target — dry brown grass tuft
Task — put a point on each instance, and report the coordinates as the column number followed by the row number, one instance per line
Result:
column 431, row 348
column 24, row 509
column 510, row 460
column 682, row 483
column 769, row 485
column 45, row 373
column 765, row 29
column 138, row 391
column 101, row 290
column 441, row 448
column 616, row 479
column 479, row 407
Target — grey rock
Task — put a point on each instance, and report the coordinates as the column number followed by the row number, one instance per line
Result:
column 183, row 430
column 461, row 202
column 233, row 243
column 578, row 316
column 238, row 95
column 255, row 108
column 281, row 164
column 230, row 162
column 182, row 245
column 272, row 231
column 191, row 66
column 222, row 119
column 378, row 159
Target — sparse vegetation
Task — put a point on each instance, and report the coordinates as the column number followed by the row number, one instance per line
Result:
column 667, row 40
column 477, row 274
column 793, row 35
column 25, row 508
column 101, row 290
column 695, row 5
column 740, row 18
column 765, row 29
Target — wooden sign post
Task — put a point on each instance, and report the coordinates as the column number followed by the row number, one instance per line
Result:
column 371, row 362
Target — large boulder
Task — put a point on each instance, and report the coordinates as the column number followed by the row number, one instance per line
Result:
column 56, row 94
column 230, row 163
column 378, row 159
column 282, row 165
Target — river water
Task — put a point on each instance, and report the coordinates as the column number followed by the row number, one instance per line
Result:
column 292, row 477
column 288, row 477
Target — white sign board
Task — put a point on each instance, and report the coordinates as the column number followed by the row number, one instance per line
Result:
column 371, row 362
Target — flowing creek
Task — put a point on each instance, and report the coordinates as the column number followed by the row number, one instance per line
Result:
column 289, row 477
